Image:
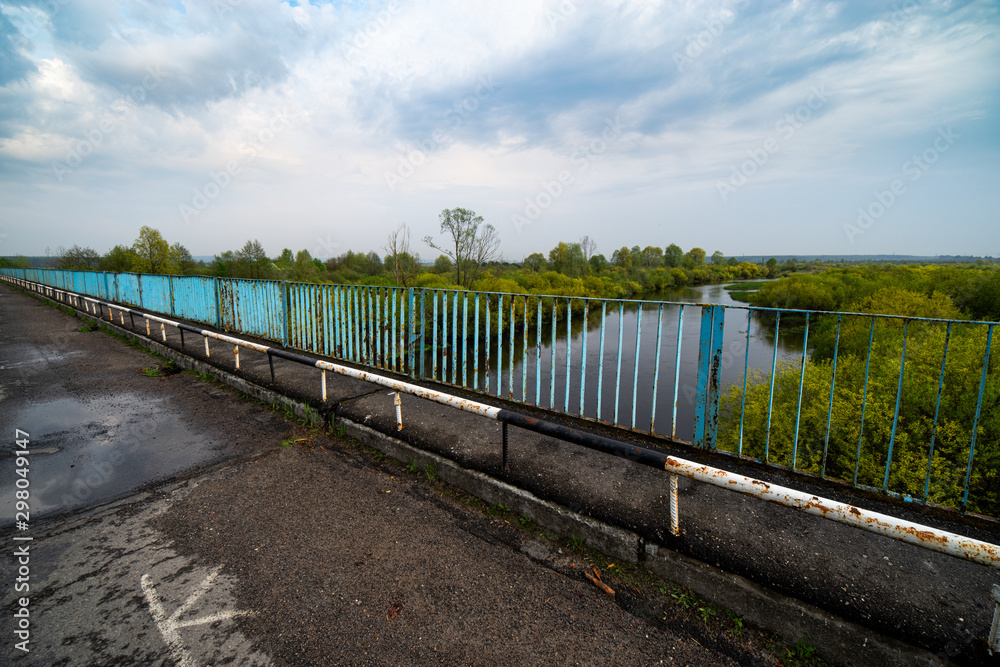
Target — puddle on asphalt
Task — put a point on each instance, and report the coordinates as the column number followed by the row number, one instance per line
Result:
column 88, row 452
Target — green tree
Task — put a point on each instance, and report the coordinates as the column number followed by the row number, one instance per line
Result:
column 567, row 259
column 78, row 259
column 181, row 259
column 285, row 259
column 119, row 260
column 152, row 252
column 15, row 262
column 673, row 256
column 443, row 264
column 252, row 256
column 226, row 265
column 718, row 259
column 535, row 262
column 304, row 270
column 472, row 244
column 622, row 258
column 652, row 256
column 694, row 258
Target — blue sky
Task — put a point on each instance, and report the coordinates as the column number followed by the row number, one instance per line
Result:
column 750, row 127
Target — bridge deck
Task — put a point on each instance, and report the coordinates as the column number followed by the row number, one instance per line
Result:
column 927, row 599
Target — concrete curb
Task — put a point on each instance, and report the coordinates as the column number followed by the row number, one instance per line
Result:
column 611, row 540
column 836, row 640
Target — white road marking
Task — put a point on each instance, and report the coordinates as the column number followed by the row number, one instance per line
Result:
column 169, row 626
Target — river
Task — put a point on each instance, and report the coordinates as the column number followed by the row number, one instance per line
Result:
column 632, row 408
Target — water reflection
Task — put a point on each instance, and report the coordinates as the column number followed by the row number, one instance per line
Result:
column 618, row 383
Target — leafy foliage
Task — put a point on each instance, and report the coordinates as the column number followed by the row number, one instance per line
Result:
column 868, row 383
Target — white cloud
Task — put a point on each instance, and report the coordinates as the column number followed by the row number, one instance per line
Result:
column 364, row 85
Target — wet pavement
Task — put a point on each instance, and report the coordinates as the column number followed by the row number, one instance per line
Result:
column 107, row 427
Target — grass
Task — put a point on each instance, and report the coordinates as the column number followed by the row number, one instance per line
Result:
column 743, row 291
column 746, row 286
column 164, row 369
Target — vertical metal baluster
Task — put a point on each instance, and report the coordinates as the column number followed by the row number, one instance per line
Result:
column 829, row 411
column 461, row 349
column 404, row 329
column 434, row 340
column 600, row 361
column 538, row 348
column 385, row 329
column 513, row 332
column 394, row 360
column 635, row 364
column 656, row 366
column 569, row 350
column 618, row 368
column 455, row 352
column 486, row 375
column 583, row 357
column 475, row 347
column 746, row 370
column 524, row 353
column 445, row 352
column 366, row 328
column 422, row 348
column 380, row 309
column 354, row 323
column 975, row 421
column 899, row 401
column 499, row 344
column 340, row 320
column 864, row 403
column 329, row 322
column 802, row 379
column 937, row 408
column 770, row 400
column 465, row 338
column 552, row 359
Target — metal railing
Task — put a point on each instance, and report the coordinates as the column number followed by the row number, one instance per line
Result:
column 904, row 406
column 934, row 539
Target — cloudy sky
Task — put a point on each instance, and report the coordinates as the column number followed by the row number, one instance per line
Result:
column 746, row 126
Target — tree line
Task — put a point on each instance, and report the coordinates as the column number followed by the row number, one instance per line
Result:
column 469, row 259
